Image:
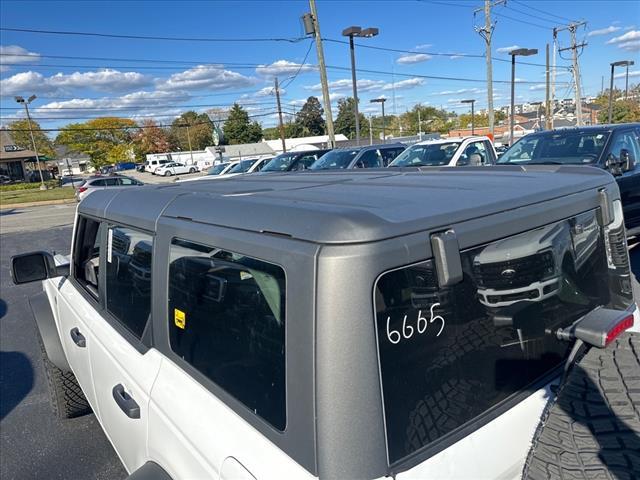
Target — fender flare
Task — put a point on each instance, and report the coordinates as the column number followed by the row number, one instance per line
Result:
column 41, row 309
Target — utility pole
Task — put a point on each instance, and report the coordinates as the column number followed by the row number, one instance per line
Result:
column 189, row 140
column 370, row 131
column 553, row 77
column 547, row 105
column 314, row 28
column 572, row 27
column 486, row 33
column 33, row 141
column 284, row 145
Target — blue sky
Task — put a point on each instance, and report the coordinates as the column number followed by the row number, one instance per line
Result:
column 205, row 74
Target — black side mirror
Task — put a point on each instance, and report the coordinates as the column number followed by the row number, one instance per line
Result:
column 614, row 165
column 35, row 266
column 627, row 160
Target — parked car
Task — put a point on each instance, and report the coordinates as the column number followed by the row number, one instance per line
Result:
column 174, row 168
column 71, row 181
column 216, row 335
column 219, row 169
column 451, row 152
column 291, row 161
column 615, row 148
column 371, row 156
column 249, row 165
column 121, row 166
column 5, row 179
column 107, row 169
column 214, row 172
column 94, row 183
column 140, row 167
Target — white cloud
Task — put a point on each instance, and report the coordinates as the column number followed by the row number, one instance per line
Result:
column 603, row 31
column 507, row 49
column 283, row 67
column 15, row 54
column 630, row 46
column 423, row 46
column 106, row 80
column 336, row 96
column 635, row 73
column 630, row 27
column 456, row 56
column 627, row 37
column 404, row 84
column 413, row 58
column 539, row 86
column 366, row 85
column 461, row 91
column 209, row 77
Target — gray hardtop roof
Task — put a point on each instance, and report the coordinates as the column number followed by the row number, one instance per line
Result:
column 346, row 207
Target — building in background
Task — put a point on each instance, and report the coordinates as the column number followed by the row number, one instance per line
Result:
column 72, row 163
column 16, row 162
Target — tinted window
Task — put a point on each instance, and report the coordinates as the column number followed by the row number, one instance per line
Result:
column 562, row 147
column 475, row 155
column 98, row 183
column 111, row 182
column 306, row 162
column 227, row 319
column 281, row 163
column 129, row 277
column 217, row 169
column 389, row 154
column 369, row 159
column 335, row 159
column 86, row 255
column 242, row 166
column 626, row 140
column 446, row 356
column 434, row 154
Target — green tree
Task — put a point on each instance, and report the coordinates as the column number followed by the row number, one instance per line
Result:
column 121, row 152
column 238, row 129
column 309, row 118
column 97, row 137
column 22, row 138
column 199, row 131
column 150, row 139
column 622, row 111
column 346, row 120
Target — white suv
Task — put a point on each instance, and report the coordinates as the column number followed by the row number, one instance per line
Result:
column 449, row 152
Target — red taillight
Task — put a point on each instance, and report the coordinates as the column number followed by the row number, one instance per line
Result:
column 82, row 189
column 621, row 326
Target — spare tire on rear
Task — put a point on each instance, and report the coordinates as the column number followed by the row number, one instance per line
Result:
column 592, row 429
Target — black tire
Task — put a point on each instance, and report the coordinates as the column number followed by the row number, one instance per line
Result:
column 66, row 396
column 192, row 170
column 167, row 173
column 592, row 429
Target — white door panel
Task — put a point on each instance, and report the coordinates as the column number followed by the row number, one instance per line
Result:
column 76, row 312
column 194, row 432
column 114, row 361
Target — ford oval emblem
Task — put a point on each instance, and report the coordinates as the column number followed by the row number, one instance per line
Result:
column 508, row 273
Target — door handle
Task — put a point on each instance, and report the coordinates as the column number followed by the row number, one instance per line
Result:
column 127, row 404
column 78, row 338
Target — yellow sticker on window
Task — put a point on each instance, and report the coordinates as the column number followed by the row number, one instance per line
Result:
column 179, row 318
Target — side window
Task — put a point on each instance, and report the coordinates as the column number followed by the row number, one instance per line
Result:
column 491, row 158
column 626, row 140
column 389, row 154
column 128, row 265
column 111, row 182
column 98, row 183
column 369, row 159
column 306, row 161
column 86, row 254
column 126, row 181
column 227, row 319
column 474, row 154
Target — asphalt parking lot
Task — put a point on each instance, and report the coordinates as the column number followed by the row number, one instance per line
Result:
column 33, row 443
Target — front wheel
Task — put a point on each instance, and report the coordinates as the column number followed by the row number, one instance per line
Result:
column 167, row 173
column 192, row 170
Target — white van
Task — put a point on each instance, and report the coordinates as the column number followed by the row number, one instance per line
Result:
column 151, row 165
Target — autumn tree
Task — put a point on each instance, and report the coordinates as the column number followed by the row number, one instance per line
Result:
column 19, row 130
column 97, row 137
column 309, row 118
column 346, row 120
column 150, row 139
column 194, row 127
column 238, row 129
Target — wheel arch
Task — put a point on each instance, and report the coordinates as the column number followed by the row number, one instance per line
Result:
column 45, row 321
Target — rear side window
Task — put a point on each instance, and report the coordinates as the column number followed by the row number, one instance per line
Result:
column 389, row 154
column 128, row 265
column 447, row 355
column 227, row 319
column 86, row 254
column 369, row 159
column 98, row 183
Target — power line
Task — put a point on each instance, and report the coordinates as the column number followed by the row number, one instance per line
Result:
column 502, row 15
column 150, row 37
column 553, row 22
column 543, row 11
column 301, row 65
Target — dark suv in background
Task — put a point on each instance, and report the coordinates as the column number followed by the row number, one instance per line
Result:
column 615, row 148
column 371, row 156
column 292, row 161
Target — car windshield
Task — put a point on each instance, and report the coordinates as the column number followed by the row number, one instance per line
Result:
column 216, row 170
column 433, row 154
column 243, row 166
column 281, row 163
column 335, row 159
column 561, row 147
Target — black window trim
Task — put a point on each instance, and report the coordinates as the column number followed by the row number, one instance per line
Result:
column 96, row 302
column 217, row 390
column 431, row 449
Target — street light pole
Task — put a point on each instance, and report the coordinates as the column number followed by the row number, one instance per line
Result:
column 189, row 140
column 472, row 102
column 351, row 32
column 621, row 63
column 381, row 101
column 523, row 52
column 33, row 141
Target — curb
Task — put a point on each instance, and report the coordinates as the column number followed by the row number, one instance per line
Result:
column 38, row 204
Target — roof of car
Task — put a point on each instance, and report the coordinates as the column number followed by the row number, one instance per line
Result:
column 451, row 139
column 366, row 147
column 345, row 207
column 588, row 128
